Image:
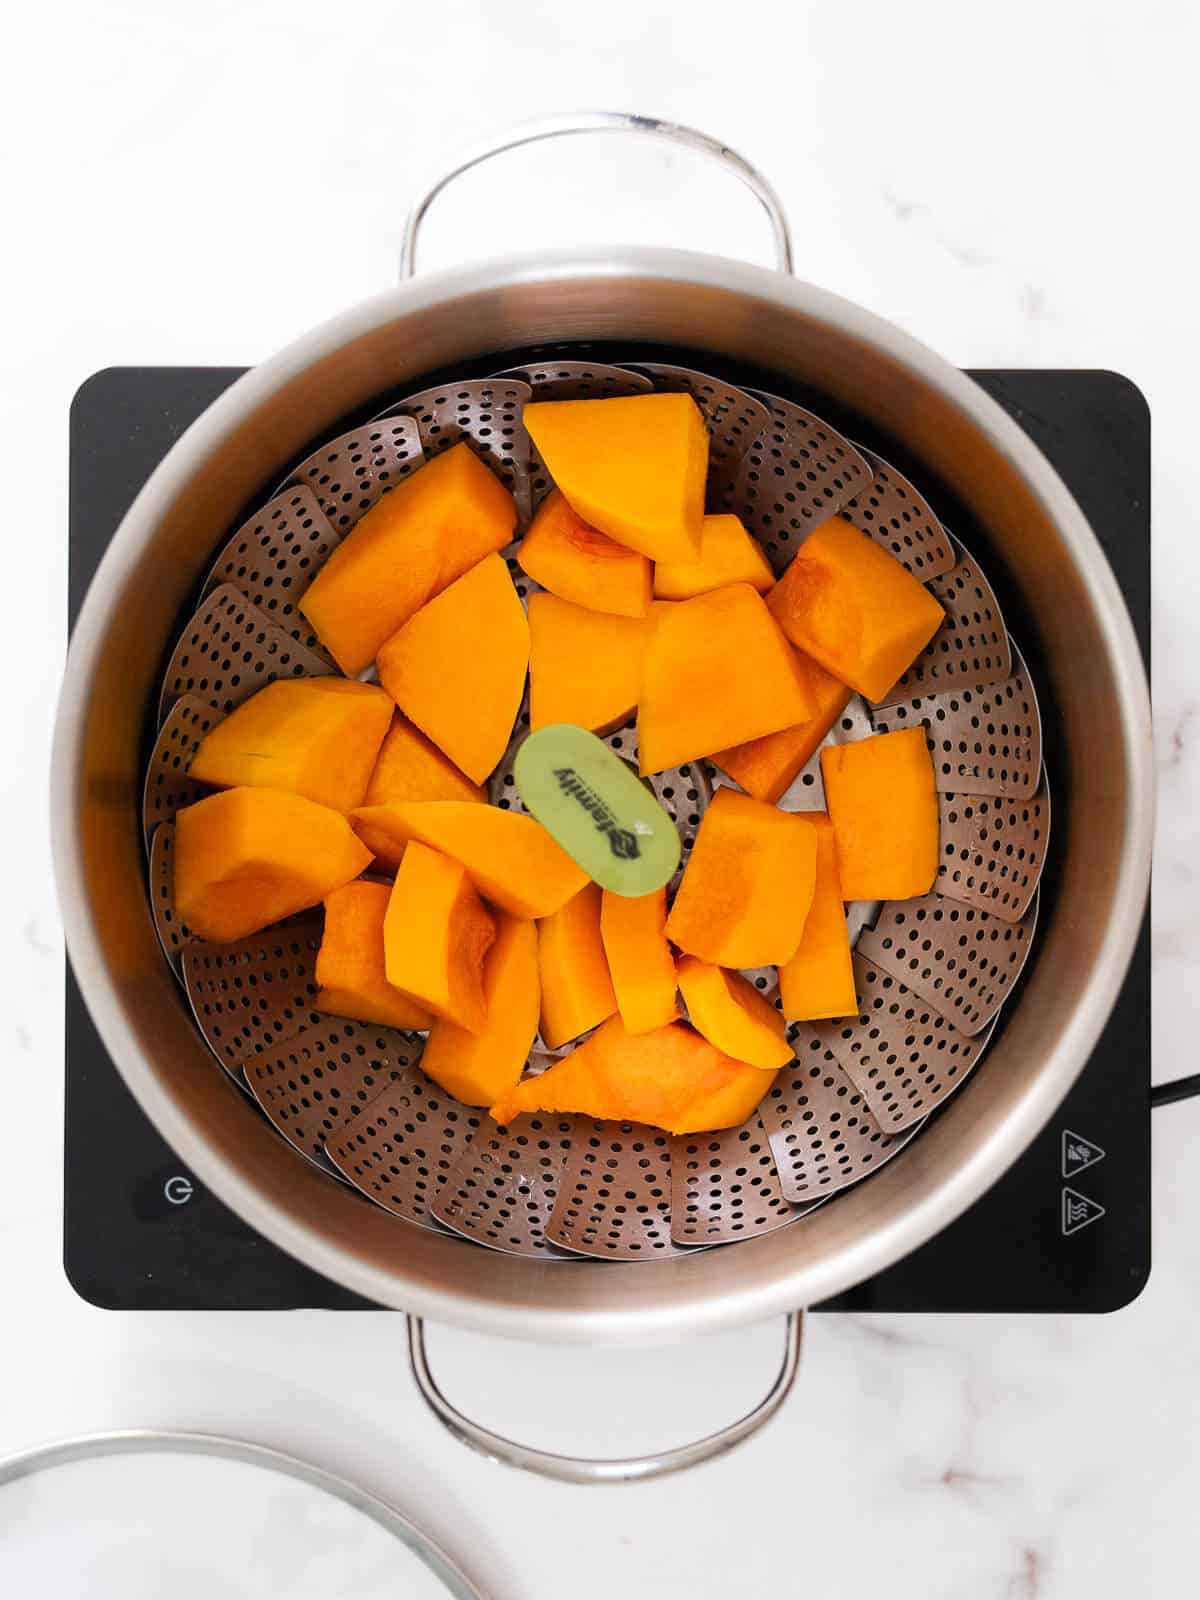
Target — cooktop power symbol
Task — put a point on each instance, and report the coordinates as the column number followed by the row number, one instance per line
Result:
column 1078, row 1211
column 1078, row 1153
column 178, row 1190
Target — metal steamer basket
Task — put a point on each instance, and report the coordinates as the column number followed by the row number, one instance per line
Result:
column 599, row 1231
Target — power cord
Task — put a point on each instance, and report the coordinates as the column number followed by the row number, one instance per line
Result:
column 1165, row 1094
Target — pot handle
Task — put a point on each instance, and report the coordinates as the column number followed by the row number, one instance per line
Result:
column 604, row 122
column 582, row 1469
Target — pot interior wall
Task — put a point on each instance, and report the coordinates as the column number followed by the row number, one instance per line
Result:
column 821, row 353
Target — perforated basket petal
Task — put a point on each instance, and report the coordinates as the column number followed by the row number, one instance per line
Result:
column 614, row 1197
column 983, row 741
column 735, row 420
column 173, row 935
column 502, row 1188
column 725, row 1187
column 898, row 517
column 902, row 1055
column 487, row 411
column 350, row 473
column 578, row 380
column 962, row 960
column 403, row 1148
column 168, row 788
column 970, row 648
column 229, row 650
column 313, row 1084
column 796, row 475
column 274, row 556
column 252, row 995
column 822, row 1136
column 765, row 980
column 993, row 850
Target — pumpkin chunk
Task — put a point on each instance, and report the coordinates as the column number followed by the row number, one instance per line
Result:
column 854, row 608
column 670, row 1078
column 436, row 933
column 318, row 737
column 244, row 858
column 411, row 767
column 632, row 466
column 584, row 666
column 731, row 1014
column 767, row 767
column 728, row 554
column 511, row 858
column 427, row 531
column 478, row 1068
column 747, row 887
column 634, row 930
column 883, row 805
column 717, row 671
column 577, row 991
column 457, row 668
column 350, row 966
column 818, row 981
column 577, row 562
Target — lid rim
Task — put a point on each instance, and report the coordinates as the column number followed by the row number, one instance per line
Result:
column 180, row 1441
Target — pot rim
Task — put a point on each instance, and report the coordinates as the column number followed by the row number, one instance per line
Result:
column 691, row 1302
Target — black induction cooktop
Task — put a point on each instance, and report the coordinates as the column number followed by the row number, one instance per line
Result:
column 1068, row 1227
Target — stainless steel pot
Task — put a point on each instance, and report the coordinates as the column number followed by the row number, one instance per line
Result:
column 1040, row 542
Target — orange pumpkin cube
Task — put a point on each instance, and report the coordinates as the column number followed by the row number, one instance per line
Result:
column 511, row 858
column 478, row 1068
column 731, row 1014
column 633, row 466
column 427, row 531
column 436, row 933
column 585, row 667
column 457, row 668
column 883, row 804
column 767, row 767
column 670, row 1078
column 577, row 990
column 245, row 858
column 411, row 767
column 728, row 554
column 634, row 931
column 318, row 737
column 577, row 562
column 747, row 887
column 818, row 981
column 852, row 606
column 716, row 672
column 350, row 966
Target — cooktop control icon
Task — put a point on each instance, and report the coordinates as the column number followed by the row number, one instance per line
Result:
column 1078, row 1210
column 178, row 1190
column 1078, row 1153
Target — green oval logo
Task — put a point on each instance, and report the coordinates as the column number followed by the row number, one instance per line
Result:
column 597, row 808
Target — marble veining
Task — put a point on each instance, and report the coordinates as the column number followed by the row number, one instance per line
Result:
column 1181, row 738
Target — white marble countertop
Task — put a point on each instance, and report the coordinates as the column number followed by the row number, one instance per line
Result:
column 199, row 184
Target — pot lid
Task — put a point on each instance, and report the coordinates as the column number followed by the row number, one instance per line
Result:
column 157, row 1513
